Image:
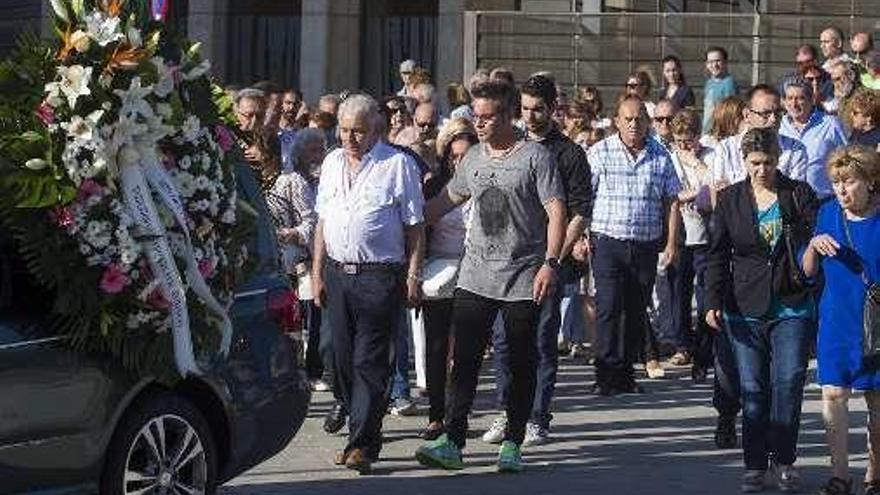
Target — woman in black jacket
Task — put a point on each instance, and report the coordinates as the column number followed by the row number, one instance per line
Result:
column 757, row 292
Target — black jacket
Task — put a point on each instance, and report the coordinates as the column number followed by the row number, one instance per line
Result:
column 742, row 277
column 574, row 170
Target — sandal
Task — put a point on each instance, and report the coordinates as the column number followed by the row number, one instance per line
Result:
column 432, row 431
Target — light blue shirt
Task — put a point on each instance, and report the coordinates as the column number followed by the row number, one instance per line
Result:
column 364, row 217
column 714, row 91
column 821, row 135
column 630, row 192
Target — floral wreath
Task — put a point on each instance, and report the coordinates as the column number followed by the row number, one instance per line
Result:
column 117, row 180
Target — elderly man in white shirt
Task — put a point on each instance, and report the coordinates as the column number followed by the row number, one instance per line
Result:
column 763, row 110
column 367, row 262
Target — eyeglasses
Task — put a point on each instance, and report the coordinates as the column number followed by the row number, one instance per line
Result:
column 481, row 120
column 767, row 113
column 665, row 119
column 633, row 85
column 425, row 125
column 393, row 110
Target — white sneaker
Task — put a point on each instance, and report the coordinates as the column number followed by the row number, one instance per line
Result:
column 403, row 406
column 535, row 435
column 495, row 433
column 319, row 385
column 789, row 479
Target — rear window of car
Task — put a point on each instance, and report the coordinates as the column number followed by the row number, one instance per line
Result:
column 21, row 295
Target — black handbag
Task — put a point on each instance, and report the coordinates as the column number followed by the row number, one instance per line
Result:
column 870, row 313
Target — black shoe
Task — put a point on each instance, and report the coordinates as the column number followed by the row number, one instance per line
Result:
column 602, row 389
column 725, row 432
column 836, row 486
column 335, row 419
column 432, row 431
column 699, row 374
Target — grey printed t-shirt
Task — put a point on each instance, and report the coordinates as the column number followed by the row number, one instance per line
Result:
column 507, row 228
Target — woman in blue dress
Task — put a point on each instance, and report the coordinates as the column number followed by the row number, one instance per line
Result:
column 846, row 246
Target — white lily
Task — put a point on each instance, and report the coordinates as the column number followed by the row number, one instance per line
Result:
column 197, row 71
column 165, row 85
column 133, row 99
column 73, row 84
column 82, row 130
column 103, row 28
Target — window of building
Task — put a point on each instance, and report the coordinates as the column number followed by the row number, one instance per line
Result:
column 263, row 41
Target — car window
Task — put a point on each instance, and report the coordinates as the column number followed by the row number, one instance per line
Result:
column 263, row 244
column 22, row 298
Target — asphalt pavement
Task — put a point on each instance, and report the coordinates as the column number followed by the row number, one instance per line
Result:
column 659, row 442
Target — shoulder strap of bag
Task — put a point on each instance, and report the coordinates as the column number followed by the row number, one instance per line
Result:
column 852, row 246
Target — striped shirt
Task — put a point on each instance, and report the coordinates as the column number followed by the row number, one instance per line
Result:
column 630, row 192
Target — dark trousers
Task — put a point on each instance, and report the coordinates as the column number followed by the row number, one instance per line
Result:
column 772, row 360
column 363, row 310
column 548, row 360
column 314, row 361
column 472, row 319
column 400, row 358
column 437, row 315
column 326, row 350
column 726, row 392
column 624, row 272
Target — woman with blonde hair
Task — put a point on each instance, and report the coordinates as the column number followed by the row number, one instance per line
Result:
column 845, row 248
column 727, row 120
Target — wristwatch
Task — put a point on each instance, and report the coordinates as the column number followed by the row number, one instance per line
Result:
column 552, row 263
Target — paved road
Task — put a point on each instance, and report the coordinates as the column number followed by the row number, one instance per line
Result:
column 659, row 442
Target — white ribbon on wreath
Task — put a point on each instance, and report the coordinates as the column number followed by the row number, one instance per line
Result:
column 141, row 174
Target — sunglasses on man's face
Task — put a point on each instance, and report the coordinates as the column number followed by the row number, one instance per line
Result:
column 393, row 110
column 664, row 119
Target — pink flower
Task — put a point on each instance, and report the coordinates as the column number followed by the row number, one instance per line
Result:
column 62, row 216
column 224, row 137
column 113, row 280
column 87, row 189
column 157, row 299
column 206, row 268
column 45, row 113
column 175, row 73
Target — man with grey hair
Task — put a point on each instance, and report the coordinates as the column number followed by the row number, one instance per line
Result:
column 406, row 69
column 250, row 109
column 819, row 132
column 366, row 266
column 843, row 77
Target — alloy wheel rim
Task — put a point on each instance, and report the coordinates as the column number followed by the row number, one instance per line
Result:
column 166, row 458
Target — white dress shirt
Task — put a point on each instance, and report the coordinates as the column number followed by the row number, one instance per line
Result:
column 729, row 164
column 364, row 218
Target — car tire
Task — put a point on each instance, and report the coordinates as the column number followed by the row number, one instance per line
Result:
column 163, row 441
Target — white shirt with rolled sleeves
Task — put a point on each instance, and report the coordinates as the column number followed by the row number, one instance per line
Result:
column 728, row 164
column 364, row 222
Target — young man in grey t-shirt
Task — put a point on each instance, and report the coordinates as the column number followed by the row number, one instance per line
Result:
column 515, row 234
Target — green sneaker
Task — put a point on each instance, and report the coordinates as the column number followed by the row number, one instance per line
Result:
column 440, row 453
column 509, row 458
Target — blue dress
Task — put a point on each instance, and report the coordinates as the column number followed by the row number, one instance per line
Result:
column 839, row 349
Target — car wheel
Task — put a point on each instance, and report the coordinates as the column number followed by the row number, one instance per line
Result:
column 163, row 446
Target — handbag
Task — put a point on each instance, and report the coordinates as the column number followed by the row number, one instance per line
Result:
column 870, row 312
column 794, row 280
column 440, row 275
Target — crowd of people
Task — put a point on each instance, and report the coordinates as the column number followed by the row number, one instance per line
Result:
column 518, row 222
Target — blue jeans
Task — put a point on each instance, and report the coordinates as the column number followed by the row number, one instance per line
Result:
column 548, row 361
column 772, row 360
column 400, row 383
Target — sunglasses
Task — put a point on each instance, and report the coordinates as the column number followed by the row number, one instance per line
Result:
column 633, row 85
column 664, row 119
column 393, row 110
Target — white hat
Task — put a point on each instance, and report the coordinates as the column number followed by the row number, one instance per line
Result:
column 407, row 65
